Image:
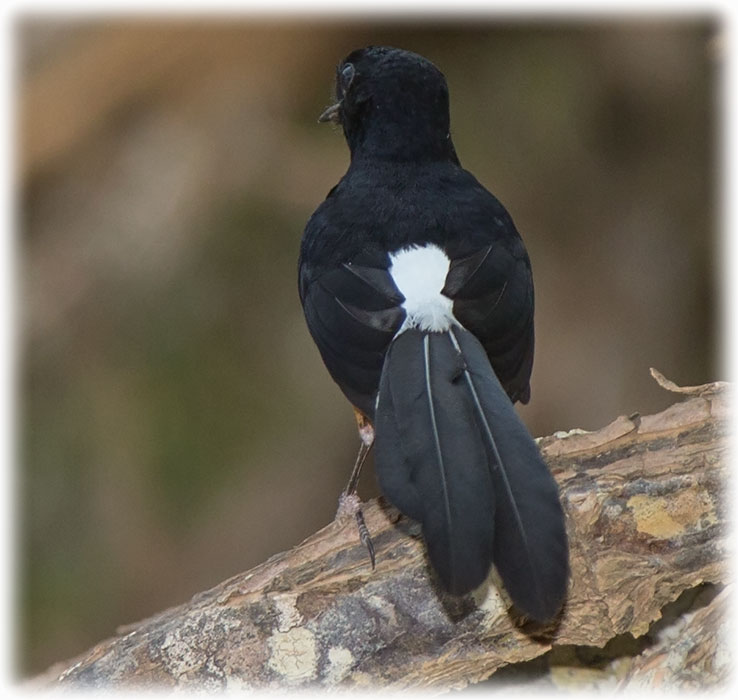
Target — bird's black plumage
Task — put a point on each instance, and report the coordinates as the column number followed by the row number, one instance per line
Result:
column 451, row 451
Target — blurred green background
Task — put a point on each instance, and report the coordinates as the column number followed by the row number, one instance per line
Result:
column 177, row 425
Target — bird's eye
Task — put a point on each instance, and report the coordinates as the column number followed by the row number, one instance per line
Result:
column 346, row 76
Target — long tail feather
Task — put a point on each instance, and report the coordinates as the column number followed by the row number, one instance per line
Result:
column 531, row 551
column 436, row 436
column 428, row 461
column 453, row 454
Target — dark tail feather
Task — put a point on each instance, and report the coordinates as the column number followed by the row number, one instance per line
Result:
column 430, row 459
column 452, row 453
column 530, row 550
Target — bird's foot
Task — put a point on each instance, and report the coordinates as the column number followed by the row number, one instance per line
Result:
column 349, row 505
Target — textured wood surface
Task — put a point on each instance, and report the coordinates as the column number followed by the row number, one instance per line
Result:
column 646, row 521
column 693, row 654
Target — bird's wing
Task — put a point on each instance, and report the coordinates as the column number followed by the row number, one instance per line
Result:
column 492, row 290
column 353, row 312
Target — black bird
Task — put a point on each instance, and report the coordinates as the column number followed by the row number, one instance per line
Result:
column 417, row 290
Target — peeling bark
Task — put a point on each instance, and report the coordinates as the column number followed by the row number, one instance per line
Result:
column 691, row 655
column 646, row 521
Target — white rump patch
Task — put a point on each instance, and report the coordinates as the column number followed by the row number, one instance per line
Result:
column 420, row 274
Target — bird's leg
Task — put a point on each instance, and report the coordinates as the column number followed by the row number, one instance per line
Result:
column 349, row 502
column 366, row 433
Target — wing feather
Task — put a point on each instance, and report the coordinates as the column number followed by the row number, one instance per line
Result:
column 353, row 312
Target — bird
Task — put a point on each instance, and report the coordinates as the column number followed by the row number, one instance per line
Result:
column 417, row 290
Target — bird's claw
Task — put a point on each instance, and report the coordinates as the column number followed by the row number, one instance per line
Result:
column 364, row 536
column 350, row 504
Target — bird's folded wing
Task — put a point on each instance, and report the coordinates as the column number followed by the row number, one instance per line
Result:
column 353, row 312
column 493, row 298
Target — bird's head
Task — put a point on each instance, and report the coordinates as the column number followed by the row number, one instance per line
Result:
column 391, row 103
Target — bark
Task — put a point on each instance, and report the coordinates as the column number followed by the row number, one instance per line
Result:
column 646, row 521
column 692, row 654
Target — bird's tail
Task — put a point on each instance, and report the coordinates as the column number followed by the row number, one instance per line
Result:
column 452, row 453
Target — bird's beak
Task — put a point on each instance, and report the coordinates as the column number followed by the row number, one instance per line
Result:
column 332, row 114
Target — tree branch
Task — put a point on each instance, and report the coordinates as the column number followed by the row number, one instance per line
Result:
column 646, row 522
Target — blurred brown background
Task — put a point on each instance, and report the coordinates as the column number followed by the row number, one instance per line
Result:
column 177, row 423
